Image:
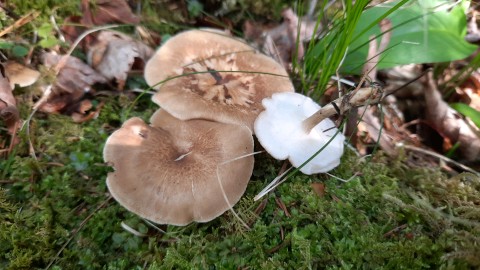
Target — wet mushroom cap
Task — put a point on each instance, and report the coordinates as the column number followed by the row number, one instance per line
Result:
column 167, row 172
column 214, row 77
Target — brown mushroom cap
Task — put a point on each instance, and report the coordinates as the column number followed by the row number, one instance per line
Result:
column 167, row 172
column 226, row 82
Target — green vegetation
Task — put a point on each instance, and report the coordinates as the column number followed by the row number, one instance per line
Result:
column 55, row 211
column 389, row 216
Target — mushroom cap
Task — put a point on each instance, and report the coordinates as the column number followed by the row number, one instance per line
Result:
column 214, row 77
column 167, row 172
column 279, row 130
column 20, row 74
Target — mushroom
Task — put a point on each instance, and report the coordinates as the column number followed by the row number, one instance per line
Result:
column 176, row 172
column 208, row 75
column 281, row 130
column 20, row 74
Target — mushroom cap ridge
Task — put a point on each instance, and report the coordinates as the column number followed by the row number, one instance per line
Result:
column 168, row 174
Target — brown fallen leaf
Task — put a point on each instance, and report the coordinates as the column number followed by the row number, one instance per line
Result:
column 319, row 189
column 449, row 123
column 98, row 12
column 471, row 91
column 19, row 74
column 8, row 106
column 84, row 112
column 20, row 22
column 114, row 54
column 72, row 82
column 280, row 41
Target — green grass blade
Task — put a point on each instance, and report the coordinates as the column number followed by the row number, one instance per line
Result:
column 467, row 111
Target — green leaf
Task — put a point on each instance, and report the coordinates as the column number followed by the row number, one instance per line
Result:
column 423, row 32
column 195, row 8
column 45, row 30
column 48, row 42
column 19, row 51
column 467, row 111
column 5, row 45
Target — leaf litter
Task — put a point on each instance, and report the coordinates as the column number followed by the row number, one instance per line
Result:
column 114, row 55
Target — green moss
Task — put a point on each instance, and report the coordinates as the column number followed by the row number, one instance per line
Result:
column 388, row 217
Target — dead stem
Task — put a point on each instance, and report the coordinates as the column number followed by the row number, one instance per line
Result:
column 357, row 98
column 433, row 154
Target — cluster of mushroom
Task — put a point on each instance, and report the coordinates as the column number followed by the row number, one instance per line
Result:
column 196, row 153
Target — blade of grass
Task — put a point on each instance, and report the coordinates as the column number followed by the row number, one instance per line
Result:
column 467, row 111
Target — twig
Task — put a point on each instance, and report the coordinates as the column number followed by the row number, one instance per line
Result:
column 282, row 206
column 358, row 98
column 20, row 22
column 55, row 25
column 433, row 154
column 74, row 233
column 394, row 230
column 132, row 230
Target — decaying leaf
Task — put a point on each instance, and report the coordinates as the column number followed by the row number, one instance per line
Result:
column 19, row 74
column 114, row 54
column 449, row 123
column 8, row 107
column 98, row 12
column 319, row 188
column 281, row 41
column 72, row 82
column 471, row 91
column 86, row 111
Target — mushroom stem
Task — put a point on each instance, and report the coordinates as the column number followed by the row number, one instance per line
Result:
column 360, row 97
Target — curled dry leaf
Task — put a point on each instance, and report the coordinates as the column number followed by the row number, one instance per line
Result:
column 471, row 91
column 73, row 81
column 100, row 12
column 450, row 124
column 8, row 107
column 19, row 74
column 86, row 111
column 280, row 41
column 108, row 11
column 114, row 54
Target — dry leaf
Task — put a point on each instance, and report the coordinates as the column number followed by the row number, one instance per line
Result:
column 471, row 91
column 449, row 123
column 319, row 189
column 72, row 82
column 84, row 114
column 8, row 107
column 114, row 54
column 280, row 41
column 102, row 12
column 20, row 74
column 98, row 12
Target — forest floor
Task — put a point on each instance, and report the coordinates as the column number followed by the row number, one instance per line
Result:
column 406, row 194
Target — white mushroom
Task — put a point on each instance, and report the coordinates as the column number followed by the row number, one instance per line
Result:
column 281, row 131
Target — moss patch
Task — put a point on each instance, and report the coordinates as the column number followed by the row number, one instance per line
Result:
column 389, row 216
